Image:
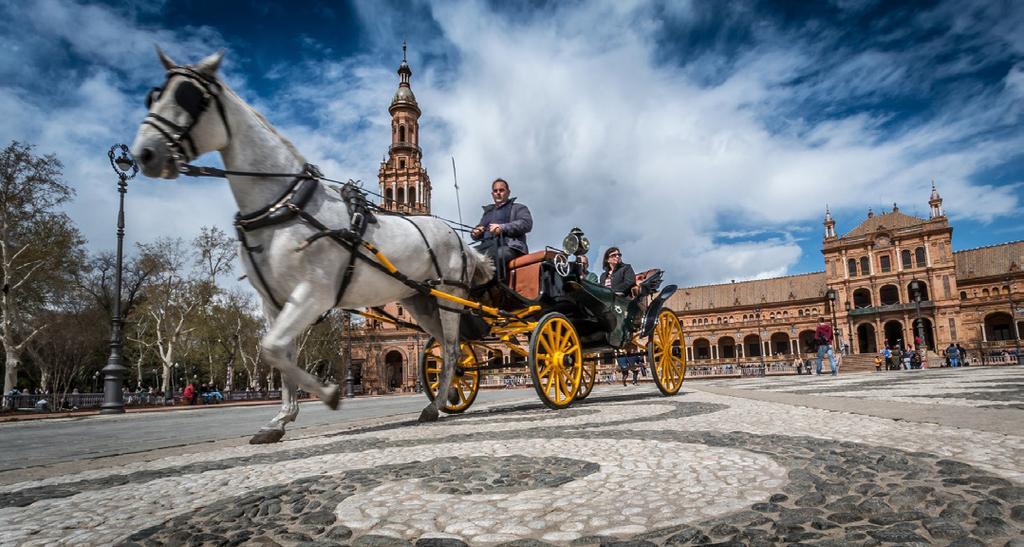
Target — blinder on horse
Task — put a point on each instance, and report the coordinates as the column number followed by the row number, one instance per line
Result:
column 193, row 96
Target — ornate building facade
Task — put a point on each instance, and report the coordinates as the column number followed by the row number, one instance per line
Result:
column 890, row 279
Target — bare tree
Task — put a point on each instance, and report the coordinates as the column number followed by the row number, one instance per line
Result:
column 39, row 246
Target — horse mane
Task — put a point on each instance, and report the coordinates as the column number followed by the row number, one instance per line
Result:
column 263, row 121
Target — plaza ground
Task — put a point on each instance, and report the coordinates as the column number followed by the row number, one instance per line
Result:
column 918, row 457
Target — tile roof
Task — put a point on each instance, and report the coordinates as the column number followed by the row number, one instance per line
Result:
column 989, row 261
column 748, row 293
column 892, row 220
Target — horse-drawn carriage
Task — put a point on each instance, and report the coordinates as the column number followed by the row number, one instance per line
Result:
column 568, row 323
column 308, row 249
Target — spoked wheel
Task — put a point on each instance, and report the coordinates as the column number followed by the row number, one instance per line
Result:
column 666, row 353
column 555, row 361
column 465, row 384
column 587, row 381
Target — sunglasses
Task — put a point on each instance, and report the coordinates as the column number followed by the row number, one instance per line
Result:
column 614, row 255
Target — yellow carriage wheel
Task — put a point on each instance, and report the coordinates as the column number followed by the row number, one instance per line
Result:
column 466, row 382
column 666, row 353
column 555, row 361
column 587, row 382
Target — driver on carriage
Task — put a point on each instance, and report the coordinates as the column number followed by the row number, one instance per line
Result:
column 503, row 227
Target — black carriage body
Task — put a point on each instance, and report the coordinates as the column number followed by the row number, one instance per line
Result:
column 603, row 319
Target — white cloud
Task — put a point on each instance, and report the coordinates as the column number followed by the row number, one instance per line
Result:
column 593, row 122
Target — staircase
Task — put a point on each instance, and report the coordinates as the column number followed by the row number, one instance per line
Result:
column 863, row 362
column 857, row 362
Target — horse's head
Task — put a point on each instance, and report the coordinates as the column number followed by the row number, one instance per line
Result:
column 186, row 118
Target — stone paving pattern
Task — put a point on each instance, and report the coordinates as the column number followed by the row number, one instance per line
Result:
column 627, row 467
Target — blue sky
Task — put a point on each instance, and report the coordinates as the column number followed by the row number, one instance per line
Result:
column 704, row 137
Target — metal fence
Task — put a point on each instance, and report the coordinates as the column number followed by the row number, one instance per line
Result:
column 71, row 401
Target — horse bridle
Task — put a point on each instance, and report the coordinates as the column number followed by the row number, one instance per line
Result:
column 194, row 97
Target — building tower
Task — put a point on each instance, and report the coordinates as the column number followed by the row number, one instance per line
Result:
column 935, row 201
column 403, row 180
column 830, row 225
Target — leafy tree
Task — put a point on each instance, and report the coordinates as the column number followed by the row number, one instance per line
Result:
column 40, row 248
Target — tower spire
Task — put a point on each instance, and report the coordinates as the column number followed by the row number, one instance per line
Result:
column 935, row 203
column 403, row 180
column 830, row 225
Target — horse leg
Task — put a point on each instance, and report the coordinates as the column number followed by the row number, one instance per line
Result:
column 450, row 343
column 274, row 430
column 279, row 347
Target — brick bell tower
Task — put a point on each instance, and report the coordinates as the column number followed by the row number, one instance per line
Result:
column 404, row 182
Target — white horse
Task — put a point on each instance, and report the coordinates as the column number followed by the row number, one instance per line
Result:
column 195, row 113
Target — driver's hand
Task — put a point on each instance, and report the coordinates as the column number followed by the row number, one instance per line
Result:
column 494, row 229
column 478, row 231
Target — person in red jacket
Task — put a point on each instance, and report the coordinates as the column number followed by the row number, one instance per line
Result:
column 823, row 339
column 190, row 393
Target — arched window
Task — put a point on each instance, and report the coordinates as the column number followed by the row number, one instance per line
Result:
column 984, row 292
column 963, row 295
column 905, row 257
column 800, row 313
column 889, row 294
column 862, row 298
column 785, row 314
column 388, row 196
column 851, row 265
column 771, row 316
column 401, row 196
column 919, row 257
column 401, row 133
column 865, row 266
column 883, row 263
column 995, row 291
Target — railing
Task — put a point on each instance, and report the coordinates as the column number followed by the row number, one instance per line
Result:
column 999, row 360
column 869, row 310
column 72, row 401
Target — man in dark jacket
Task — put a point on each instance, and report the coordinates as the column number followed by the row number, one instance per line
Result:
column 503, row 227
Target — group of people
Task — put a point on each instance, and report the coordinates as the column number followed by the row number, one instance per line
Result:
column 502, row 235
column 209, row 394
column 634, row 364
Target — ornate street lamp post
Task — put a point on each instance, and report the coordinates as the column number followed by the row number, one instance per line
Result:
column 114, row 372
column 915, row 287
column 1013, row 317
column 849, row 325
column 831, row 295
column 760, row 339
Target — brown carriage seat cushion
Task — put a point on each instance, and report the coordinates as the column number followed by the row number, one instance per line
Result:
column 644, row 275
column 524, row 273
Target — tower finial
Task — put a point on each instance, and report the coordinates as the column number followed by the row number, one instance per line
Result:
column 403, row 48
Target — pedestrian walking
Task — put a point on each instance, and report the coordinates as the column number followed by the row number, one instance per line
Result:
column 823, row 339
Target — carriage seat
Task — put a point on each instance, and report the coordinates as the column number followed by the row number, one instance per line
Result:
column 524, row 273
column 640, row 277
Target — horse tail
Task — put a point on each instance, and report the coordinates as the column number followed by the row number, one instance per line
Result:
column 483, row 266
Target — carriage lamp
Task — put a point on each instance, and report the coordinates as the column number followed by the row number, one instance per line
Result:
column 576, row 243
column 114, row 372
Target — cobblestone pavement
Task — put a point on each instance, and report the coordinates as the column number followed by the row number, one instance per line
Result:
column 983, row 387
column 625, row 467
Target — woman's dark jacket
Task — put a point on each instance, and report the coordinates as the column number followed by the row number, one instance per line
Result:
column 623, row 279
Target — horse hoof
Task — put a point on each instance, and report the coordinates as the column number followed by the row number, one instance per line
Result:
column 333, row 399
column 429, row 414
column 453, row 396
column 267, row 436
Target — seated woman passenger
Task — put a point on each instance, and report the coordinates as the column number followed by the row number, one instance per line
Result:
column 617, row 276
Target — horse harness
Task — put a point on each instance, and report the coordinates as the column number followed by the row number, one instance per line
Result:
column 290, row 205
